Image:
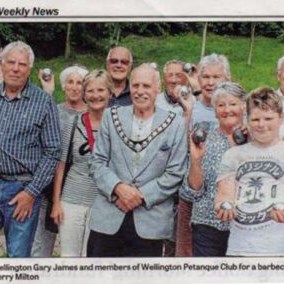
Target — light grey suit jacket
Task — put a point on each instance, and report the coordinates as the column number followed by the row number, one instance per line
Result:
column 159, row 176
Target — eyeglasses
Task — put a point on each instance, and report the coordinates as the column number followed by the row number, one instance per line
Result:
column 116, row 61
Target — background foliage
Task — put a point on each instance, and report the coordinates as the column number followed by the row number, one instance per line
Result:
column 48, row 39
column 154, row 42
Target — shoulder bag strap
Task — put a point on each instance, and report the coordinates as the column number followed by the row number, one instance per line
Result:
column 70, row 146
column 91, row 138
column 69, row 152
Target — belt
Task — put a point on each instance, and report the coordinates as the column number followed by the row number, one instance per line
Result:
column 19, row 177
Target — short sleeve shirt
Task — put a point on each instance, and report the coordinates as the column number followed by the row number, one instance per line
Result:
column 259, row 175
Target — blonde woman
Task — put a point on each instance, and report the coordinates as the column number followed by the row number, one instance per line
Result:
column 72, row 203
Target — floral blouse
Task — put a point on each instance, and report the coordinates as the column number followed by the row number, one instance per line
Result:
column 203, row 200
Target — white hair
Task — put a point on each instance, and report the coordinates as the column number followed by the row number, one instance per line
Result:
column 122, row 47
column 215, row 59
column 151, row 67
column 81, row 71
column 228, row 88
column 23, row 47
column 173, row 61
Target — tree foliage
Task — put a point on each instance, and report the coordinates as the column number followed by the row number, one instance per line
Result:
column 49, row 39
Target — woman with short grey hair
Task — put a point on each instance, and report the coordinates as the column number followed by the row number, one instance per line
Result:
column 71, row 79
column 210, row 235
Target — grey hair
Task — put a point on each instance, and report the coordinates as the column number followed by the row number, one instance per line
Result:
column 279, row 64
column 228, row 88
column 150, row 66
column 174, row 61
column 82, row 71
column 119, row 46
column 23, row 47
column 215, row 59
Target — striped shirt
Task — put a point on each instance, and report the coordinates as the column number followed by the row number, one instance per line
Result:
column 30, row 142
column 79, row 187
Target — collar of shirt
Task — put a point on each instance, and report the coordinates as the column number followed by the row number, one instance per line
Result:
column 123, row 99
column 126, row 90
column 24, row 93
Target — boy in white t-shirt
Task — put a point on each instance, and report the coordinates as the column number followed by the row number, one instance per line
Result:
column 251, row 182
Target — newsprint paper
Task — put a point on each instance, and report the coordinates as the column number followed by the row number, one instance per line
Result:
column 141, row 270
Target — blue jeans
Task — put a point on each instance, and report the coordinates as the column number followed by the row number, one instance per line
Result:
column 208, row 241
column 19, row 235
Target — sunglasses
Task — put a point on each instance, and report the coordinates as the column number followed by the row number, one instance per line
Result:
column 116, row 61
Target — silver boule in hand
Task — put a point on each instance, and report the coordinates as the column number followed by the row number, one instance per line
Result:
column 184, row 91
column 187, row 67
column 46, row 74
column 226, row 205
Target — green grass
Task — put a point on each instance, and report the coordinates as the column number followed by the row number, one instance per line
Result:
column 187, row 47
column 91, row 61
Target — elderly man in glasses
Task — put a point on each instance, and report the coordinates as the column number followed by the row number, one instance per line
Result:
column 118, row 64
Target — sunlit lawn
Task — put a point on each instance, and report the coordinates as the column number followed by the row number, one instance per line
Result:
column 187, row 47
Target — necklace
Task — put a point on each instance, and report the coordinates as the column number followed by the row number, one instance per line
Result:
column 138, row 146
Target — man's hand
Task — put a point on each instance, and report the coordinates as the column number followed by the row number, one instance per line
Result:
column 129, row 197
column 24, row 205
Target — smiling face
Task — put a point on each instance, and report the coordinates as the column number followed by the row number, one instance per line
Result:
column 16, row 69
column 119, row 63
column 229, row 111
column 144, row 87
column 209, row 77
column 264, row 126
column 97, row 95
column 73, row 88
column 173, row 76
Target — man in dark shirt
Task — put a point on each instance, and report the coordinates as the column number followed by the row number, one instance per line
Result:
column 118, row 64
column 29, row 148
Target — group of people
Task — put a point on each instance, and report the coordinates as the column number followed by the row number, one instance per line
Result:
column 119, row 171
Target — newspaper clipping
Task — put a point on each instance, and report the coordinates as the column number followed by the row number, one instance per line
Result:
column 138, row 269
